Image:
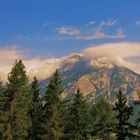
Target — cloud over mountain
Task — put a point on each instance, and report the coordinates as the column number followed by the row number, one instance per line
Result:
column 122, row 54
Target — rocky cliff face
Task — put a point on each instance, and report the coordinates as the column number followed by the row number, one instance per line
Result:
column 100, row 78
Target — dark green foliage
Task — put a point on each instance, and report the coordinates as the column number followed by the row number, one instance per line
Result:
column 51, row 118
column 102, row 119
column 3, row 113
column 2, row 104
column 35, row 111
column 123, row 113
column 137, row 121
column 35, row 89
column 78, row 119
column 18, row 102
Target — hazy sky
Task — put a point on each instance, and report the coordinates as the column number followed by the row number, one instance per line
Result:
column 52, row 28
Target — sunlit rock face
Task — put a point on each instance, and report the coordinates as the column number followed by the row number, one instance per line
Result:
column 98, row 77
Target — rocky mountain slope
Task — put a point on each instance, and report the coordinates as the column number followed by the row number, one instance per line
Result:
column 96, row 78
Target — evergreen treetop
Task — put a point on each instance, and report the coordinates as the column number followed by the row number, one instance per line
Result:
column 123, row 113
column 18, row 102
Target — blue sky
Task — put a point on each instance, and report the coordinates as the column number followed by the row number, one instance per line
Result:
column 53, row 28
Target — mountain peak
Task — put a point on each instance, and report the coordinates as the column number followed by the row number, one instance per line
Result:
column 101, row 62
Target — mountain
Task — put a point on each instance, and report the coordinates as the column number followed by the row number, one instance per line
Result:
column 97, row 77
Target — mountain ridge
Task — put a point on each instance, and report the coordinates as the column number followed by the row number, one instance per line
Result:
column 94, row 80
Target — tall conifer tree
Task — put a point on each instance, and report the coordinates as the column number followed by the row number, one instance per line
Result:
column 123, row 113
column 35, row 110
column 102, row 119
column 78, row 119
column 18, row 102
column 52, row 109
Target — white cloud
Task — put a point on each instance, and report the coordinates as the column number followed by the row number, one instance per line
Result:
column 117, row 53
column 35, row 67
column 123, row 49
column 92, row 22
column 8, row 54
column 42, row 68
column 92, row 31
column 68, row 31
column 109, row 22
column 123, row 54
column 101, row 35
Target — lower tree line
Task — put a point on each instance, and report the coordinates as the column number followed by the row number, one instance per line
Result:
column 25, row 115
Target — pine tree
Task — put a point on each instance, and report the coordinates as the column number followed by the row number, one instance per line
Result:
column 123, row 113
column 51, row 118
column 102, row 119
column 3, row 114
column 18, row 102
column 35, row 110
column 78, row 119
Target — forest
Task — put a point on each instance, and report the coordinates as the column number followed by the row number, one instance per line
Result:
column 26, row 114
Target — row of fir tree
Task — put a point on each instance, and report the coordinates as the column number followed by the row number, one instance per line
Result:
column 25, row 115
